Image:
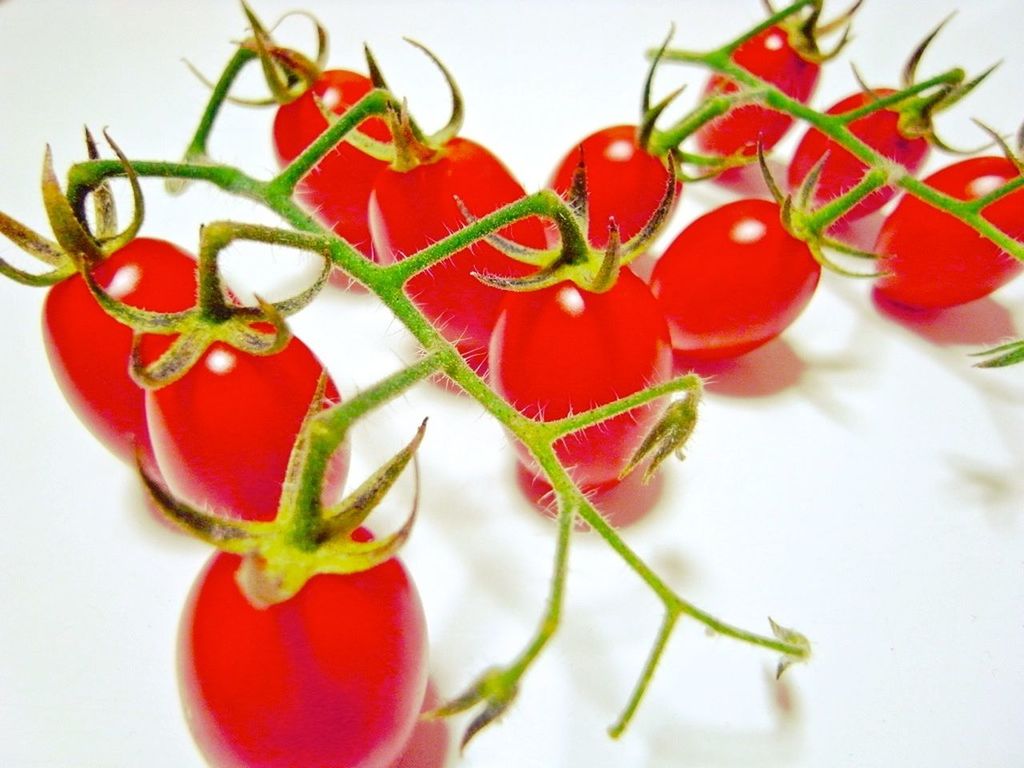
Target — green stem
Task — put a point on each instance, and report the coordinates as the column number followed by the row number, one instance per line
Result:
column 197, row 147
column 374, row 103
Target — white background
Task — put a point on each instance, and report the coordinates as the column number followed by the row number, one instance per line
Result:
column 866, row 489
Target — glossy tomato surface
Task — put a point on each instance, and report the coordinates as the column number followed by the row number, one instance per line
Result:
column 563, row 350
column 410, row 210
column 770, row 56
column 732, row 280
column 89, row 350
column 332, row 678
column 430, row 745
column 932, row 260
column 338, row 188
column 624, row 182
column 842, row 171
column 222, row 433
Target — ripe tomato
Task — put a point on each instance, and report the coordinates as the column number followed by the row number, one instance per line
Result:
column 89, row 350
column 338, row 188
column 770, row 56
column 733, row 280
column 931, row 259
column 430, row 743
column 842, row 170
column 409, row 210
column 223, row 432
column 624, row 182
column 333, row 677
column 562, row 350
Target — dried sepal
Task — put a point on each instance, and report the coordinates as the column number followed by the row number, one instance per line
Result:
column 1001, row 356
column 1016, row 158
column 184, row 352
column 806, row 32
column 31, row 242
column 114, row 242
column 237, row 536
column 535, row 256
column 649, row 114
column 578, row 198
column 490, row 689
column 535, row 281
column 297, row 458
column 240, row 333
column 816, row 248
column 802, row 646
column 102, row 197
column 668, row 437
column 322, row 39
column 288, row 73
column 72, row 236
column 611, row 262
column 639, row 242
column 458, row 113
column 909, row 74
column 304, row 298
column 769, row 179
column 343, row 518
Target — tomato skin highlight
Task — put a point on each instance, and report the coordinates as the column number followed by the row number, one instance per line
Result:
column 223, row 432
column 563, row 350
column 733, row 280
column 332, row 678
column 338, row 187
column 624, row 182
column 842, row 170
column 770, row 56
column 410, row 210
column 89, row 350
column 933, row 260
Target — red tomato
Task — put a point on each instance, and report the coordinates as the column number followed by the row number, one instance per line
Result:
column 771, row 57
column 89, row 350
column 732, row 280
column 410, row 210
column 842, row 170
column 332, row 678
column 338, row 188
column 624, row 182
column 932, row 259
column 430, row 743
column 223, row 432
column 562, row 350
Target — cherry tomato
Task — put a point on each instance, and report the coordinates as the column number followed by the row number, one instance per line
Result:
column 409, row 210
column 842, row 170
column 333, row 677
column 430, row 743
column 338, row 188
column 733, row 280
column 562, row 350
column 223, row 432
column 932, row 259
column 624, row 182
column 89, row 350
column 771, row 57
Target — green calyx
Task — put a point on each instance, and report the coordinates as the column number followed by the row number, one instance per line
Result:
column 305, row 539
column 412, row 147
column 575, row 259
column 805, row 29
column 75, row 246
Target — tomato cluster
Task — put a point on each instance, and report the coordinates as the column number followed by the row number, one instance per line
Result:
column 335, row 672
